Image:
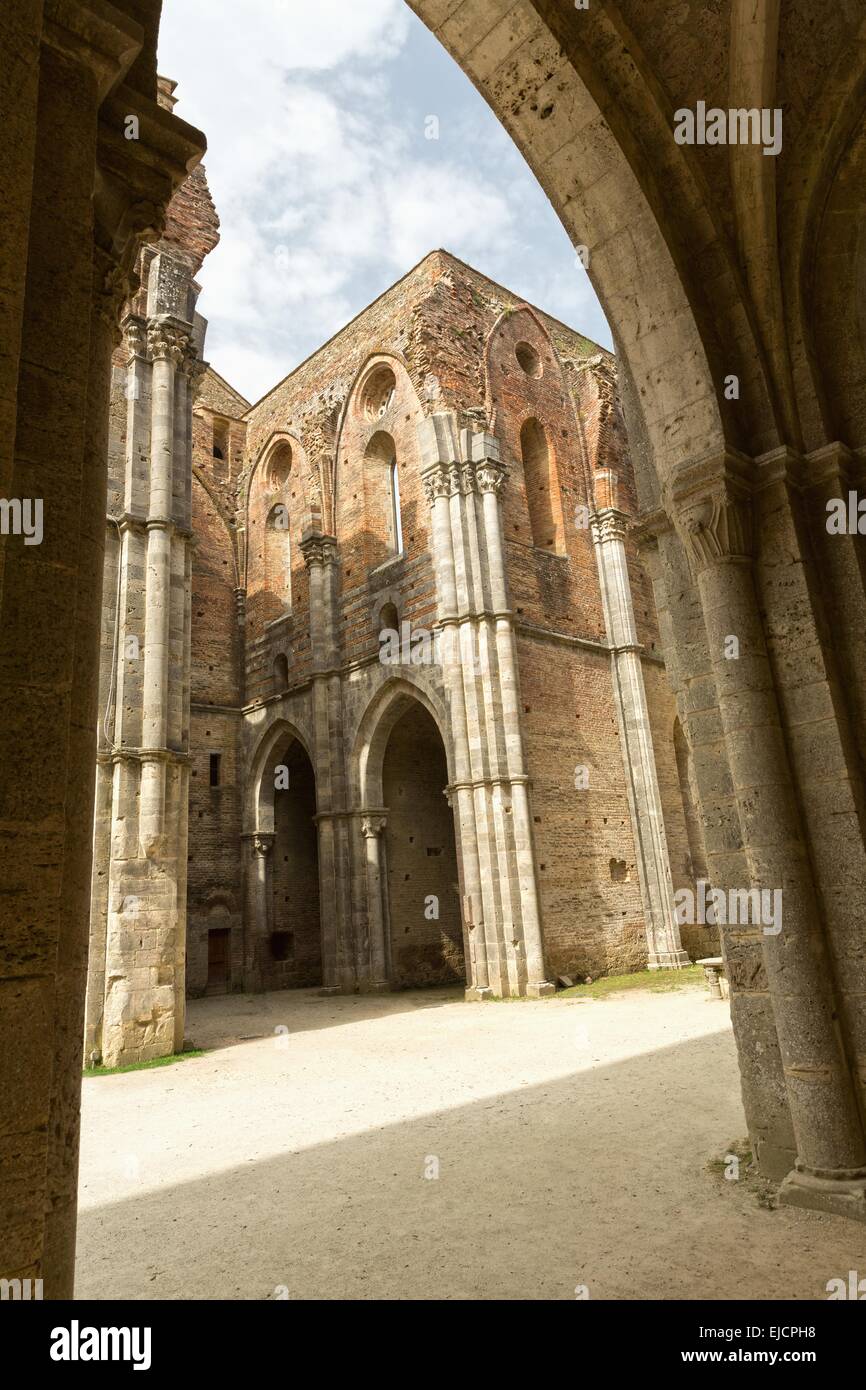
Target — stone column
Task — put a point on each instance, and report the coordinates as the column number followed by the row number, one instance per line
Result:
column 259, row 907
column 372, row 829
column 490, row 478
column 504, row 947
column 140, row 951
column 339, row 962
column 166, row 343
column 437, row 488
column 664, row 947
column 713, row 506
column 68, row 242
column 689, row 669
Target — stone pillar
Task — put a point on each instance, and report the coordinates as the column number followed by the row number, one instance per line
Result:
column 138, row 944
column 372, row 829
column 713, row 504
column 689, row 669
column 462, row 477
column 664, row 947
column 491, row 477
column 75, row 208
column 166, row 344
column 259, row 905
column 437, row 486
column 339, row 964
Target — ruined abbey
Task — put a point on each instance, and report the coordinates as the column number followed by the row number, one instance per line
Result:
column 385, row 633
column 470, row 647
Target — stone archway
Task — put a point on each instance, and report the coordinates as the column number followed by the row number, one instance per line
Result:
column 424, row 925
column 685, row 250
column 388, row 776
column 283, row 935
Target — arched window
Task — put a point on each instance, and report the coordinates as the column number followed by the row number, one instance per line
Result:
column 278, row 466
column 220, row 439
column 383, row 491
column 389, row 619
column 542, row 491
column 378, row 392
column 396, row 518
column 278, row 554
column 281, row 672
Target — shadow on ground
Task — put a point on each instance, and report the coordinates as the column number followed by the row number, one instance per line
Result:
column 595, row 1178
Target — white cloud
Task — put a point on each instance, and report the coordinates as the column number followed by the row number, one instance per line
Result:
column 325, row 185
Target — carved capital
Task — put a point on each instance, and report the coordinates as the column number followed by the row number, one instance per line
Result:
column 468, row 481
column 319, row 550
column 609, row 524
column 135, row 335
column 191, row 364
column 167, row 341
column 490, row 477
column 713, row 510
column 112, row 287
column 263, row 844
column 372, row 826
column 437, row 482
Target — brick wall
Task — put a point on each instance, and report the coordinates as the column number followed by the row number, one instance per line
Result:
column 451, row 340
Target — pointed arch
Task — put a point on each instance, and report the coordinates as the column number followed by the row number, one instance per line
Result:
column 387, row 706
column 274, row 742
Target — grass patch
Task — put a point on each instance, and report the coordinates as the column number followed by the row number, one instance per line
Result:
column 144, row 1066
column 657, row 981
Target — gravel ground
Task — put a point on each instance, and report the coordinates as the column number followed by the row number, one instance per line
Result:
column 572, row 1140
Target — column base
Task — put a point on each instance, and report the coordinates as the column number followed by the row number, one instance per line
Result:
column 473, row 994
column 540, row 989
column 376, row 987
column 669, row 960
column 840, row 1196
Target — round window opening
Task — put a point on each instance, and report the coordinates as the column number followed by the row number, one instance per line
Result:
column 379, row 392
column 528, row 359
column 278, row 467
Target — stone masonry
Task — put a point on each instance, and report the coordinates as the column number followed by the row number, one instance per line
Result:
column 733, row 285
column 500, row 810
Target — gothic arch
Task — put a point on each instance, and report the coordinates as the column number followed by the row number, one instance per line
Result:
column 387, row 706
column 538, row 68
column 259, row 808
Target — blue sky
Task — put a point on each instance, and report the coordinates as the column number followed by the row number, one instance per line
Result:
column 328, row 188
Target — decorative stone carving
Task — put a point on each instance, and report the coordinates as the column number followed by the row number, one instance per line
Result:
column 263, row 844
column 609, row 525
column 467, row 479
column 167, row 341
column 372, row 826
column 713, row 510
column 437, row 483
column 319, row 550
column 112, row 287
column 135, row 333
column 490, row 477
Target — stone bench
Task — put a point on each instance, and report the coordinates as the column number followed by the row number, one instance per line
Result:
column 714, row 970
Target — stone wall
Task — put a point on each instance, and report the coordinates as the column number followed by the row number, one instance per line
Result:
column 316, row 453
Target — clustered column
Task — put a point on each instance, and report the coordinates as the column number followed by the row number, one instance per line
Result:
column 463, row 477
column 714, row 512
column 136, row 996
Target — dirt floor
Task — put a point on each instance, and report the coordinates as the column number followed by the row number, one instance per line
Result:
column 574, row 1142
